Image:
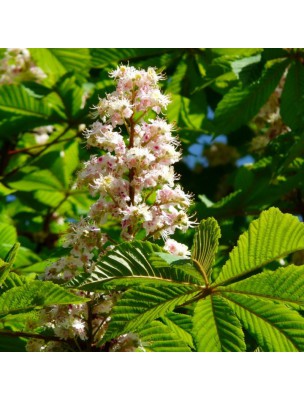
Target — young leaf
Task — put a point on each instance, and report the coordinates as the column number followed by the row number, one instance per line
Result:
column 205, row 246
column 274, row 326
column 215, row 326
column 35, row 295
column 273, row 235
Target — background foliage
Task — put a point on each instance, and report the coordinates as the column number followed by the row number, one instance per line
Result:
column 240, row 118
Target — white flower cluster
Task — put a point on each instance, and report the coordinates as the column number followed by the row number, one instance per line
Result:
column 134, row 180
column 136, row 159
column 17, row 65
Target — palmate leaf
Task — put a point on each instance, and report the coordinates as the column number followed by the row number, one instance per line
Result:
column 285, row 285
column 35, row 295
column 215, row 326
column 274, row 326
column 205, row 245
column 273, row 235
column 142, row 305
column 129, row 264
column 156, row 336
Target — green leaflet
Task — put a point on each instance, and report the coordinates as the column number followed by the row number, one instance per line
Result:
column 292, row 101
column 285, row 285
column 4, row 271
column 215, row 326
column 205, row 245
column 12, row 280
column 185, row 265
column 37, row 180
column 241, row 104
column 142, row 305
column 8, row 234
column 271, row 236
column 129, row 264
column 7, row 265
column 57, row 62
column 181, row 325
column 16, row 101
column 274, row 326
column 104, row 57
column 35, row 295
column 12, row 344
column 156, row 336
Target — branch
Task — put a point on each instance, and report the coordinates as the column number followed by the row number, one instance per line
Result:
column 33, row 336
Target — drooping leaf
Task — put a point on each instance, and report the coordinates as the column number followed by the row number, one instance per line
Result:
column 8, row 234
column 221, row 208
column 292, row 100
column 274, row 326
column 71, row 95
column 38, row 180
column 57, row 62
column 241, row 103
column 11, row 344
column 273, row 235
column 142, row 305
column 35, row 295
column 205, row 245
column 187, row 113
column 285, row 285
column 215, row 326
column 103, row 57
column 66, row 162
column 16, row 101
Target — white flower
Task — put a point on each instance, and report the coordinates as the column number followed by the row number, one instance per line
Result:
column 176, row 248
